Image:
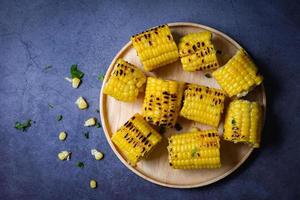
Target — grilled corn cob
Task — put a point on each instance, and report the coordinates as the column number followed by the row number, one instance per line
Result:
column 197, row 52
column 162, row 101
column 243, row 122
column 193, row 150
column 135, row 139
column 203, row 104
column 125, row 81
column 155, row 47
column 238, row 76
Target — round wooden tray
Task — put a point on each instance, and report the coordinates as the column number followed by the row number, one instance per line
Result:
column 155, row 168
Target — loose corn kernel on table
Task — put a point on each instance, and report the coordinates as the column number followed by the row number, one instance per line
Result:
column 156, row 168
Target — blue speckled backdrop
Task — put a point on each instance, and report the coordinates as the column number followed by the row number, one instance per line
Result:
column 35, row 34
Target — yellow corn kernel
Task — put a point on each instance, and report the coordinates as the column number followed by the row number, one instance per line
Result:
column 125, row 81
column 155, row 47
column 203, row 104
column 64, row 155
column 81, row 103
column 90, row 122
column 194, row 150
column 162, row 101
column 93, row 184
column 243, row 122
column 75, row 82
column 135, row 139
column 62, row 136
column 197, row 52
column 97, row 154
column 238, row 76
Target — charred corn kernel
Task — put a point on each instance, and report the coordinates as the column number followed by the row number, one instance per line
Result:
column 194, row 150
column 243, row 122
column 75, row 82
column 238, row 76
column 135, row 139
column 155, row 47
column 64, row 155
column 90, row 122
column 162, row 101
column 197, row 52
column 125, row 81
column 97, row 154
column 62, row 136
column 203, row 104
column 81, row 103
column 93, row 184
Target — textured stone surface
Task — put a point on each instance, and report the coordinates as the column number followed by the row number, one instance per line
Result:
column 35, row 34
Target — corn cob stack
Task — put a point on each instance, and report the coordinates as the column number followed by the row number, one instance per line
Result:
column 197, row 52
column 203, row 104
column 239, row 75
column 243, row 122
column 125, row 81
column 162, row 101
column 135, row 139
column 194, row 150
column 155, row 47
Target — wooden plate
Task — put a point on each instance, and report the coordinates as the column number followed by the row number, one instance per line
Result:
column 156, row 168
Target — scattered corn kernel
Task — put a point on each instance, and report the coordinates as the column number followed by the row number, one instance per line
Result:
column 194, row 129
column 93, row 184
column 75, row 82
column 64, row 155
column 90, row 122
column 81, row 103
column 98, row 155
column 62, row 136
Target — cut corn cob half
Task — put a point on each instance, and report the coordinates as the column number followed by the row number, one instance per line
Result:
column 243, row 122
column 162, row 101
column 155, row 47
column 197, row 52
column 135, row 139
column 125, row 81
column 203, row 104
column 194, row 150
column 238, row 76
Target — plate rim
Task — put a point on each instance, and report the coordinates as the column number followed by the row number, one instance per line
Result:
column 116, row 152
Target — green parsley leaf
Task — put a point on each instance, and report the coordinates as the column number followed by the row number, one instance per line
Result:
column 233, row 122
column 48, row 67
column 23, row 126
column 50, row 105
column 194, row 152
column 97, row 111
column 80, row 165
column 101, row 77
column 98, row 125
column 207, row 75
column 178, row 127
column 59, row 117
column 87, row 135
column 76, row 73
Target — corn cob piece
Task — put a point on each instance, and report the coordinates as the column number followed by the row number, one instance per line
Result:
column 197, row 52
column 194, row 150
column 125, row 81
column 243, row 122
column 155, row 47
column 203, row 104
column 238, row 76
column 162, row 101
column 135, row 139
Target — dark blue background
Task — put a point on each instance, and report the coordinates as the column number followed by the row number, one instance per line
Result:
column 35, row 34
